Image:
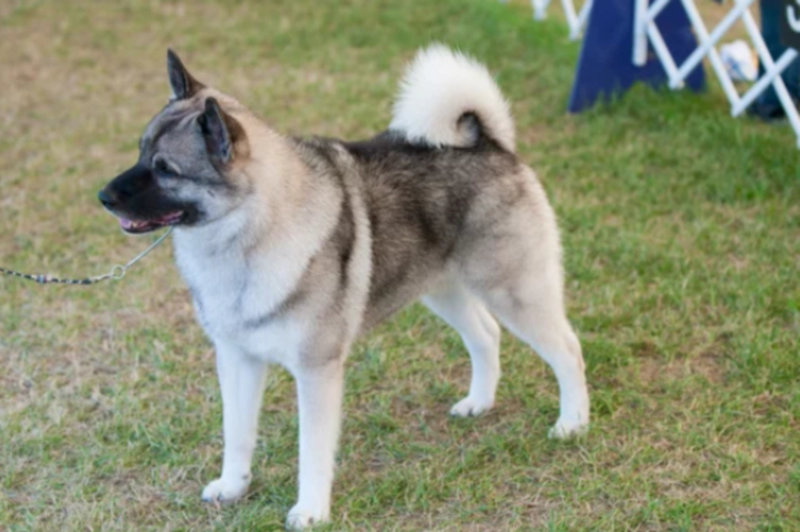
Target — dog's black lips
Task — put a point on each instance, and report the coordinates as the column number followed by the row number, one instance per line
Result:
column 146, row 226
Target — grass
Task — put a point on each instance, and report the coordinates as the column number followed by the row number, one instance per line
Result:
column 680, row 230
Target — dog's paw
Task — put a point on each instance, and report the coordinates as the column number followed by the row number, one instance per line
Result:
column 470, row 407
column 225, row 490
column 563, row 430
column 303, row 518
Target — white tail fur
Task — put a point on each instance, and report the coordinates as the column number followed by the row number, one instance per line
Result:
column 438, row 89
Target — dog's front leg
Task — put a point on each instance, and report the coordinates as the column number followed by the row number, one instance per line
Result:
column 241, row 378
column 319, row 393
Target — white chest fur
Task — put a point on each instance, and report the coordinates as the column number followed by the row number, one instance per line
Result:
column 236, row 293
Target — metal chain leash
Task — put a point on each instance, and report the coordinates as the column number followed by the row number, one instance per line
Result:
column 116, row 273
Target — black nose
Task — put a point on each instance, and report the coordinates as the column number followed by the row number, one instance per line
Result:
column 107, row 199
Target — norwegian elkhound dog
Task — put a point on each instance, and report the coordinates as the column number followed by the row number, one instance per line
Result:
column 294, row 247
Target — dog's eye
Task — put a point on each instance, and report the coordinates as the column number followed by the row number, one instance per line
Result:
column 161, row 167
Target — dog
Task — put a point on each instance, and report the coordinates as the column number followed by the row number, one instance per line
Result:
column 294, row 247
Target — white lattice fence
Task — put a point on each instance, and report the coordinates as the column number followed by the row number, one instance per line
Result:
column 575, row 19
column 646, row 30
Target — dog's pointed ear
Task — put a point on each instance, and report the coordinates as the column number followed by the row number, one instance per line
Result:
column 221, row 132
column 182, row 83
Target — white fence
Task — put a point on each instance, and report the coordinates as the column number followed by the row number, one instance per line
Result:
column 646, row 30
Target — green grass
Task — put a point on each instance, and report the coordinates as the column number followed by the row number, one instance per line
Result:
column 680, row 228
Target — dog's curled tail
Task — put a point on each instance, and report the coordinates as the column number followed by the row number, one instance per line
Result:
column 449, row 99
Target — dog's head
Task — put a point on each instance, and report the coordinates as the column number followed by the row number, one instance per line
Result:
column 189, row 167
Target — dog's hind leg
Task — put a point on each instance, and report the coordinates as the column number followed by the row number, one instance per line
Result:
column 481, row 335
column 532, row 308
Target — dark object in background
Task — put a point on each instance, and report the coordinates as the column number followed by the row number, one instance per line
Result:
column 767, row 107
column 605, row 68
column 790, row 24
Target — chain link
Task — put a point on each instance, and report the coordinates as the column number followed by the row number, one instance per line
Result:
column 116, row 273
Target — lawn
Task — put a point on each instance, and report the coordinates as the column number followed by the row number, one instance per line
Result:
column 680, row 228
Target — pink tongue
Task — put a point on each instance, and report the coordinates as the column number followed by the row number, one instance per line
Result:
column 125, row 223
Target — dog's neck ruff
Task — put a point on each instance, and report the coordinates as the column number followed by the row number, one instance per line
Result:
column 229, row 233
column 116, row 273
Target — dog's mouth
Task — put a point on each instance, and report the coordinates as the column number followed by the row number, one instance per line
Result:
column 138, row 227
